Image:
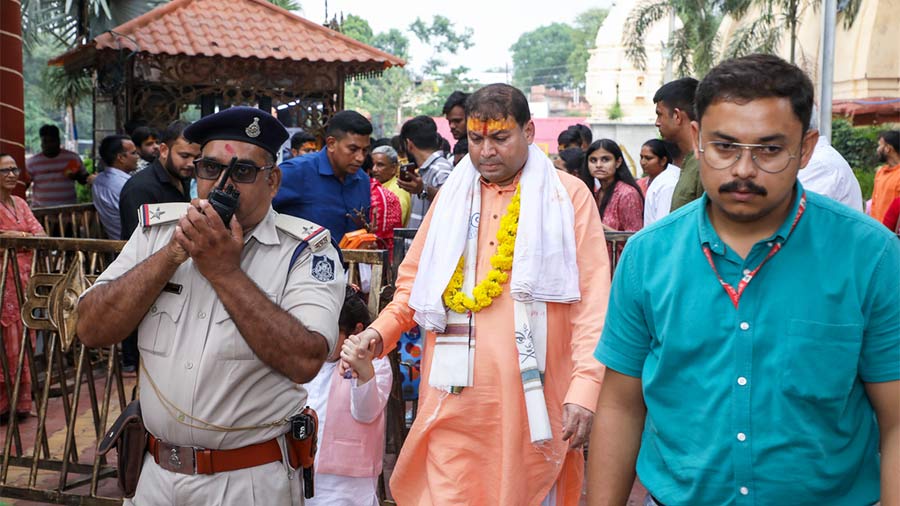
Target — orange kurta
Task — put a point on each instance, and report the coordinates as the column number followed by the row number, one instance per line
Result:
column 886, row 189
column 474, row 448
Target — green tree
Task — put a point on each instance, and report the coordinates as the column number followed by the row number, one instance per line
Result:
column 50, row 93
column 540, row 56
column 394, row 42
column 382, row 97
column 357, row 28
column 443, row 39
column 584, row 36
column 397, row 93
column 385, row 98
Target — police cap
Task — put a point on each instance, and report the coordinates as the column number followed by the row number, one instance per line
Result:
column 244, row 124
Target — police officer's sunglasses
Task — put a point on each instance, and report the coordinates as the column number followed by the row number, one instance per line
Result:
column 243, row 172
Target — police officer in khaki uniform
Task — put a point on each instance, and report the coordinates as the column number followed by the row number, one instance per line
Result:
column 231, row 321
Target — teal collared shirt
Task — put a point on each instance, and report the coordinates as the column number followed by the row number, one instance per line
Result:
column 764, row 403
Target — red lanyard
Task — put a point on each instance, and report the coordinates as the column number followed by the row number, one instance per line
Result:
column 735, row 295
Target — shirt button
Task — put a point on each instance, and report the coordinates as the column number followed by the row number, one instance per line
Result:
column 188, row 365
column 491, row 243
column 745, row 490
column 746, row 272
column 745, row 326
column 153, row 309
column 495, row 216
column 742, row 381
column 741, row 436
column 202, row 315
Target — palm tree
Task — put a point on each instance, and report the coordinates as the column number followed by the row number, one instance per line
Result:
column 288, row 5
column 764, row 33
column 692, row 47
column 74, row 22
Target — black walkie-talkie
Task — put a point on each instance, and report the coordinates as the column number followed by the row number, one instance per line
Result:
column 225, row 200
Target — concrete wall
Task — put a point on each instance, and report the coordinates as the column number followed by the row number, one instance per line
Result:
column 630, row 136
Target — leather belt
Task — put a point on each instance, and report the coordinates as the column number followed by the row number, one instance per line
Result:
column 190, row 460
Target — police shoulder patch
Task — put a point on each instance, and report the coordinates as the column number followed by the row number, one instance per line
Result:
column 150, row 215
column 322, row 268
column 317, row 236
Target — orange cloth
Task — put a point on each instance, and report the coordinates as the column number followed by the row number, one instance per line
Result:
column 474, row 448
column 886, row 189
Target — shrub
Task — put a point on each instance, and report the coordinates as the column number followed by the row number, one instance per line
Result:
column 856, row 144
column 83, row 192
column 866, row 180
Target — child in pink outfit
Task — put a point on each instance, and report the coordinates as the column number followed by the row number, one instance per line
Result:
column 351, row 418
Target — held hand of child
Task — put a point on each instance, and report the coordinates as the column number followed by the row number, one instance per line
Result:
column 345, row 367
column 358, row 359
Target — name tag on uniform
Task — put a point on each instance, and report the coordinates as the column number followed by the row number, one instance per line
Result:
column 172, row 288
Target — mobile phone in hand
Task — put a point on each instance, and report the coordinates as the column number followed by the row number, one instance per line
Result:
column 407, row 171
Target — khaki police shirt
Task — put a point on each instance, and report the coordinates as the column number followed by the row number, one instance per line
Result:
column 194, row 353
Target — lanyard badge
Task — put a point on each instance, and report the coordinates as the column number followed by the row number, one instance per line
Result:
column 735, row 294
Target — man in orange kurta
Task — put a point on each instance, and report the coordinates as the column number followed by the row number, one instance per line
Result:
column 887, row 179
column 474, row 447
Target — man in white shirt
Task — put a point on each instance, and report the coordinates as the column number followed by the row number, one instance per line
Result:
column 829, row 174
column 658, row 201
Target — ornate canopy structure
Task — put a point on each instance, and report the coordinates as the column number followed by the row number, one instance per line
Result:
column 209, row 54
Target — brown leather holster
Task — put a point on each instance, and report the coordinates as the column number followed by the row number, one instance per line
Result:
column 302, row 445
column 129, row 437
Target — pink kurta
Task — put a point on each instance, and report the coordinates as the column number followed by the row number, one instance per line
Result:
column 19, row 219
column 474, row 448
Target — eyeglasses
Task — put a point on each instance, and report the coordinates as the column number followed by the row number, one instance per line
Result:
column 721, row 155
column 10, row 171
column 243, row 172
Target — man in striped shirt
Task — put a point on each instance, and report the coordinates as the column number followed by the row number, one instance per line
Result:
column 54, row 171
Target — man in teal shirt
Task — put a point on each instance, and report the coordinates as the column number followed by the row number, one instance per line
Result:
column 756, row 361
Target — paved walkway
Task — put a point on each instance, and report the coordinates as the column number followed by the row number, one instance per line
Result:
column 86, row 440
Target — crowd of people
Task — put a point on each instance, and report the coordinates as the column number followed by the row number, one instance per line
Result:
column 530, row 344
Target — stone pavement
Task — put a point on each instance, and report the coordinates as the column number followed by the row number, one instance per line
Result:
column 85, row 442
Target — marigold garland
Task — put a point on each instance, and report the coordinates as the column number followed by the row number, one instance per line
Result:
column 490, row 287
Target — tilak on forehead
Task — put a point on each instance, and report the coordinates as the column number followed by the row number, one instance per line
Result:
column 490, row 126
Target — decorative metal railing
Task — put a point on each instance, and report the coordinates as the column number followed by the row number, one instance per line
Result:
column 79, row 221
column 38, row 468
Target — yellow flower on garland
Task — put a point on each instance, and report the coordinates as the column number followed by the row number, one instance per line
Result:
column 491, row 286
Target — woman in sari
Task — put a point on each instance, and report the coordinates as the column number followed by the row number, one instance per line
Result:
column 16, row 220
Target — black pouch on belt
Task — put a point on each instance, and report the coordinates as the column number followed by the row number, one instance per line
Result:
column 303, row 442
column 129, row 437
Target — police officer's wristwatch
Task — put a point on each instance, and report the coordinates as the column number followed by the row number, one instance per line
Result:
column 424, row 194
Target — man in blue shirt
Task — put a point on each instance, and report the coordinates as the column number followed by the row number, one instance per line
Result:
column 752, row 339
column 120, row 156
column 327, row 187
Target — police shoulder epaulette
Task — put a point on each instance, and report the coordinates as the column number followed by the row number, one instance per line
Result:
column 150, row 215
column 313, row 234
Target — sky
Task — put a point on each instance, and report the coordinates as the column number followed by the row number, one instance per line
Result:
column 496, row 24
